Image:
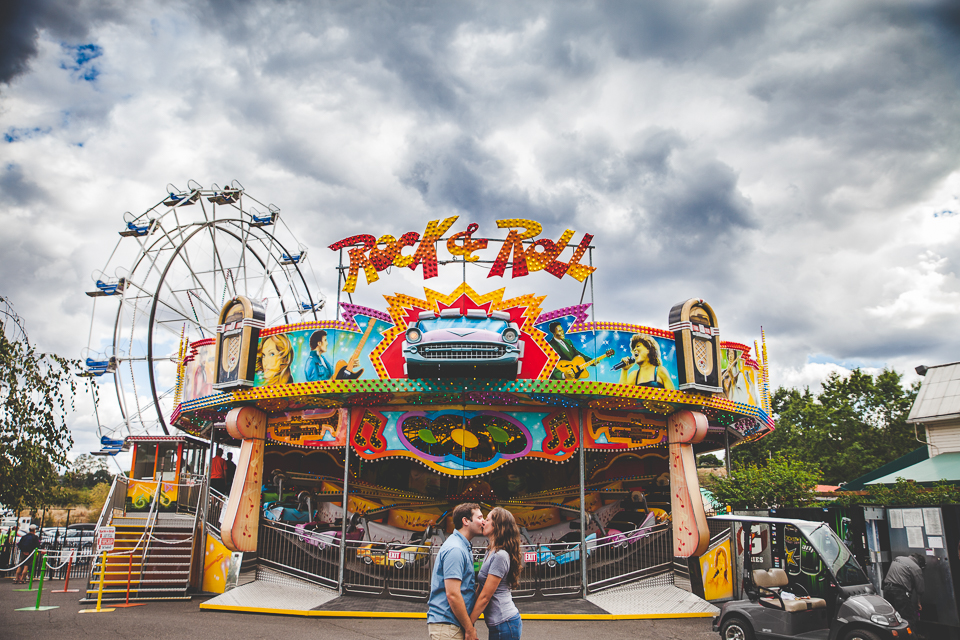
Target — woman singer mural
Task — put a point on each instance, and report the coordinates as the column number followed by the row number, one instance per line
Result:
column 273, row 360
column 645, row 368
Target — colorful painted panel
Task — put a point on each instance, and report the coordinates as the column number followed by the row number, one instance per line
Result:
column 716, row 571
column 319, row 353
column 140, row 494
column 199, row 372
column 740, row 377
column 309, row 428
column 628, row 355
column 619, row 430
column 221, row 567
column 457, row 442
column 369, row 344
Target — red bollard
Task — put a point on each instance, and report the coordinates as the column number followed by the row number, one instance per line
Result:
column 129, row 577
column 66, row 582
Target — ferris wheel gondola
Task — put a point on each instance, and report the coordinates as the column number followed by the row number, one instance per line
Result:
column 166, row 280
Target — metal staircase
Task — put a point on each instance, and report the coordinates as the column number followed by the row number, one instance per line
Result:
column 153, row 554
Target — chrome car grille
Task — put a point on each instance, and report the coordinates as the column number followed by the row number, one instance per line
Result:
column 462, row 351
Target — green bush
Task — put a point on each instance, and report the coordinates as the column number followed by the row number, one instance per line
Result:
column 903, row 493
column 782, row 481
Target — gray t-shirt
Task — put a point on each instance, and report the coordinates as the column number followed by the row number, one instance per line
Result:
column 501, row 607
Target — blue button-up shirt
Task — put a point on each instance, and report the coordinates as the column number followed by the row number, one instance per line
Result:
column 454, row 562
column 317, row 368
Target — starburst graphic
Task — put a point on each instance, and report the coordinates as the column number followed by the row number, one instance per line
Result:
column 538, row 358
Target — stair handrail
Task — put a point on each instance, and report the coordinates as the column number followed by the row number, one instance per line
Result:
column 106, row 513
column 146, row 528
column 151, row 524
column 200, row 536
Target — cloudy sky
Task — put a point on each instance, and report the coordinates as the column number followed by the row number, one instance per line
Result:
column 793, row 163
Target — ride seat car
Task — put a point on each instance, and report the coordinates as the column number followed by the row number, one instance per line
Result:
column 771, row 582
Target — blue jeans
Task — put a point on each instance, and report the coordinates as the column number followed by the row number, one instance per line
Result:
column 507, row 630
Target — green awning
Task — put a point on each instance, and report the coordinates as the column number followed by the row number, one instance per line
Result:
column 943, row 467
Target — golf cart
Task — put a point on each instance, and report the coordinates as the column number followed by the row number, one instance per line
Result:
column 801, row 581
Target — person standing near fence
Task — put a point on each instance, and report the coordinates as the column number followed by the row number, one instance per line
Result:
column 499, row 574
column 230, row 471
column 27, row 545
column 452, row 585
column 903, row 586
column 218, row 473
column 6, row 552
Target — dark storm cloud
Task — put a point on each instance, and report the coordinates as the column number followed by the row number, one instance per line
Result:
column 22, row 20
column 686, row 207
column 680, row 31
column 460, row 176
column 16, row 189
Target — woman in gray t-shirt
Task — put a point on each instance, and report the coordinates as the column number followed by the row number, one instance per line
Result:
column 499, row 574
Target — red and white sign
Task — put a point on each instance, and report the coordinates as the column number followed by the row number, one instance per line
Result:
column 529, row 556
column 393, row 555
column 106, row 538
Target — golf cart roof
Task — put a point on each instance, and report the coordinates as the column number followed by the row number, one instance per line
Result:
column 766, row 520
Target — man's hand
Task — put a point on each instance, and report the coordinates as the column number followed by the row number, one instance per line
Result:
column 459, row 608
column 353, row 363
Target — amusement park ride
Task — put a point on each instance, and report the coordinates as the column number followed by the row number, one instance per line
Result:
column 166, row 279
column 386, row 417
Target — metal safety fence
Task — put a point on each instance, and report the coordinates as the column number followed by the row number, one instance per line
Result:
column 305, row 554
column 404, row 570
column 215, row 510
column 628, row 557
column 395, row 569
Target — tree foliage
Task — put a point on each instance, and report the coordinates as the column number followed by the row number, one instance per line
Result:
column 854, row 425
column 709, row 460
column 903, row 493
column 36, row 393
column 86, row 471
column 780, row 481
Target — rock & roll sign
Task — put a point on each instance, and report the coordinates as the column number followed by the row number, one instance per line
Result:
column 372, row 255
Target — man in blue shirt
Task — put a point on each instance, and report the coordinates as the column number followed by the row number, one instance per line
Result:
column 453, row 585
column 317, row 367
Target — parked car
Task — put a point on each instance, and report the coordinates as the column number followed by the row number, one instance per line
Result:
column 52, row 537
column 463, row 345
column 397, row 555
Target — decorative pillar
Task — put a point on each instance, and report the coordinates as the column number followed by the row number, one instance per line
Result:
column 583, row 507
column 691, row 535
column 346, row 493
column 242, row 510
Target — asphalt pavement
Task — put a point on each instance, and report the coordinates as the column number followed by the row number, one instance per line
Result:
column 184, row 620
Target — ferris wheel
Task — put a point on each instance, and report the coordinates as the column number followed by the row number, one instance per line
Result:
column 164, row 284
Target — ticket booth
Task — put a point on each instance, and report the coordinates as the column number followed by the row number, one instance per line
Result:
column 173, row 461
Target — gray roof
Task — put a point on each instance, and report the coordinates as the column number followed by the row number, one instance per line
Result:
column 939, row 397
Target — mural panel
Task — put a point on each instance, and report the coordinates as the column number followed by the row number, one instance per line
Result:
column 465, row 443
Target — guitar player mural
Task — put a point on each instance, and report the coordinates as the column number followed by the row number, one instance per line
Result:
column 315, row 355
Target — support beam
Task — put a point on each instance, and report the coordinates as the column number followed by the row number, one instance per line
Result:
column 691, row 535
column 241, row 517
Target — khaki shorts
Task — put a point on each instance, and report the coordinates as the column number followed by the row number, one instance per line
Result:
column 443, row 631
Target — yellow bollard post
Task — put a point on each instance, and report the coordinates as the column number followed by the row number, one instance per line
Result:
column 103, row 568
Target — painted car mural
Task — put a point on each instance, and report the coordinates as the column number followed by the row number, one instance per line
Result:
column 462, row 344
